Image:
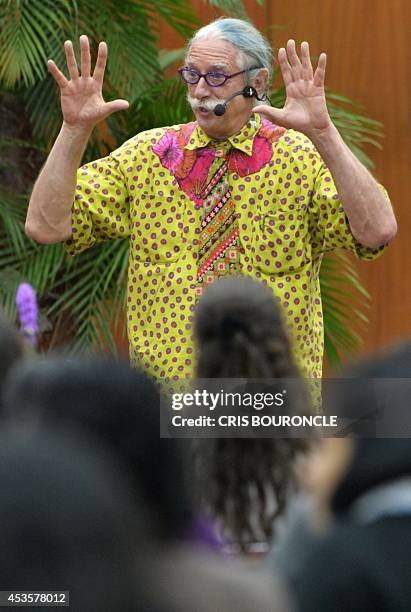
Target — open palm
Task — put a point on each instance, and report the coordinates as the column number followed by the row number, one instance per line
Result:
column 305, row 108
column 82, row 102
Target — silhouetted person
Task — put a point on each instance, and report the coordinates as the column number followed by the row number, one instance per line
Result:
column 67, row 522
column 120, row 408
column 363, row 486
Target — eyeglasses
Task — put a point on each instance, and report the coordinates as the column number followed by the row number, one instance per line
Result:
column 214, row 79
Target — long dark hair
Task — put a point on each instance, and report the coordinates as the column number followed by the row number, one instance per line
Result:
column 244, row 483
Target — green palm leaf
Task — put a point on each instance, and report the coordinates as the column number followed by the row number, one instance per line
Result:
column 12, row 217
column 28, row 26
column 230, row 7
column 342, row 296
column 177, row 13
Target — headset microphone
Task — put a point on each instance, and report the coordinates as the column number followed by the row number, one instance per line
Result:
column 247, row 92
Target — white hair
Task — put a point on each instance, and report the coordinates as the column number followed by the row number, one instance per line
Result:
column 253, row 48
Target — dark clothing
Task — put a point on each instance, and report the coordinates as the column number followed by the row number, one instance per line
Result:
column 364, row 563
column 359, row 568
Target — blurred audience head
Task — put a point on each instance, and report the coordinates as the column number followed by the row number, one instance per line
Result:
column 118, row 406
column 66, row 521
column 245, row 483
column 361, row 491
column 343, row 468
column 240, row 332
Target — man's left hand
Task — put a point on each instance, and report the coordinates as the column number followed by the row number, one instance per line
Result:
column 305, row 107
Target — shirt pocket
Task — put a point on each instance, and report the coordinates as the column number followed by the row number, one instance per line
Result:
column 280, row 239
column 157, row 227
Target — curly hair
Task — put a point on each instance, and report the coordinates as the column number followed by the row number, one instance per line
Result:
column 244, row 483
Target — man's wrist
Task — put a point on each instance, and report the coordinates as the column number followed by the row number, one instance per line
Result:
column 329, row 144
column 325, row 138
column 77, row 132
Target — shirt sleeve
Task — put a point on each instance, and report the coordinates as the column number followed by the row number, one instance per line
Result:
column 329, row 228
column 101, row 208
column 330, row 225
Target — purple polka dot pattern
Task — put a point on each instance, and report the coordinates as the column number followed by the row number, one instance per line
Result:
column 289, row 214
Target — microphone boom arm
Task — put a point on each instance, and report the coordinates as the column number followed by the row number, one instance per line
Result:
column 247, row 92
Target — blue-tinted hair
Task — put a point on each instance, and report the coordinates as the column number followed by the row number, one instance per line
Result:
column 254, row 49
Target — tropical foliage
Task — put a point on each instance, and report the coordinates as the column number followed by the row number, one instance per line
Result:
column 81, row 298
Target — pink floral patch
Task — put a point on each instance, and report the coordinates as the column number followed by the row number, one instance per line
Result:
column 172, row 153
column 191, row 168
column 169, row 151
column 196, row 181
column 244, row 164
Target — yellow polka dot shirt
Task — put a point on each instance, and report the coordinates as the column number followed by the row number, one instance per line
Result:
column 150, row 191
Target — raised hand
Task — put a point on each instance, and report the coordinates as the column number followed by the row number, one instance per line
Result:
column 82, row 100
column 305, row 107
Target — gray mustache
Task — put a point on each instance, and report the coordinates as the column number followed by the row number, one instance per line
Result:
column 208, row 104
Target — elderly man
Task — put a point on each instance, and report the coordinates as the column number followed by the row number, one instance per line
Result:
column 245, row 188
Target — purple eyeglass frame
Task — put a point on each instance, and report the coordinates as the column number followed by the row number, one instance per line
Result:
column 226, row 76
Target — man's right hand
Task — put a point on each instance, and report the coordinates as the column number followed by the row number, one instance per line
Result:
column 82, row 100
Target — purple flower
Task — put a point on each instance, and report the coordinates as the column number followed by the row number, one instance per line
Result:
column 26, row 302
